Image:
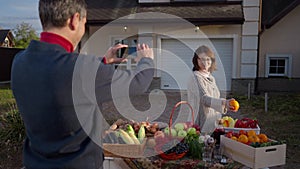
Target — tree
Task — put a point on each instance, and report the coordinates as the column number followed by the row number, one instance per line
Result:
column 24, row 33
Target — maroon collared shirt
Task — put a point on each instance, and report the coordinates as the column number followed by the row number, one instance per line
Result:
column 59, row 40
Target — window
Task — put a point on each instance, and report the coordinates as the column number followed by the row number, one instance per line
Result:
column 278, row 65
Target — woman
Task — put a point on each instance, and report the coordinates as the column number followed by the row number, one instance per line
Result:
column 203, row 93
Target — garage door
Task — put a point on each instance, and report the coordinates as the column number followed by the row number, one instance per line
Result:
column 176, row 61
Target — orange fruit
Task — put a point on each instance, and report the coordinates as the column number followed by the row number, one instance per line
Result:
column 243, row 139
column 253, row 139
column 263, row 138
column 234, row 104
column 251, row 133
column 234, row 138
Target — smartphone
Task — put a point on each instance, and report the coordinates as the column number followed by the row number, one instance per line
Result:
column 127, row 51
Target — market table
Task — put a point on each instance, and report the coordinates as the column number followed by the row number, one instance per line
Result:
column 156, row 162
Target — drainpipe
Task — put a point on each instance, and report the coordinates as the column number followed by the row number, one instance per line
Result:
column 260, row 31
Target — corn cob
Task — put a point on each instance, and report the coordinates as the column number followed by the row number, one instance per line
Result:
column 129, row 129
column 133, row 137
column 125, row 137
column 142, row 133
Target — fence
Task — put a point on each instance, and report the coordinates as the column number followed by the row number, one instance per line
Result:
column 6, row 58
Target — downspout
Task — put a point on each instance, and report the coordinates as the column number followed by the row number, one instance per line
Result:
column 260, row 31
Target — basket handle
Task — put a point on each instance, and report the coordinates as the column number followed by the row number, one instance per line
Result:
column 173, row 110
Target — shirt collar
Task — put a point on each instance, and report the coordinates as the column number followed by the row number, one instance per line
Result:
column 57, row 39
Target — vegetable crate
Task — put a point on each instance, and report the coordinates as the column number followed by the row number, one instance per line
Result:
column 124, row 150
column 260, row 157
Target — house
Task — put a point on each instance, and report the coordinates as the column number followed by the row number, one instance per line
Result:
column 279, row 52
column 175, row 28
column 6, row 38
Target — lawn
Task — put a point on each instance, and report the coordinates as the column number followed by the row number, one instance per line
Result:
column 281, row 122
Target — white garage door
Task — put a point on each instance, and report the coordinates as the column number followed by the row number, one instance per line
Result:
column 176, row 61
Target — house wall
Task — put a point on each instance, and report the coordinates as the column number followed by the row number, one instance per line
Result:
column 281, row 38
column 245, row 42
column 100, row 38
column 249, row 48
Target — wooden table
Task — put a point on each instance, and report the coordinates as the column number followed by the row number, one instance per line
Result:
column 156, row 162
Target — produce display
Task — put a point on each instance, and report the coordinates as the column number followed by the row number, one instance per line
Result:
column 174, row 141
column 252, row 139
column 228, row 121
column 129, row 132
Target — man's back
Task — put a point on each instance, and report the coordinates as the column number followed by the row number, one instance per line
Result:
column 42, row 85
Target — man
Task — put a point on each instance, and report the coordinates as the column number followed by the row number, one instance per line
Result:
column 42, row 82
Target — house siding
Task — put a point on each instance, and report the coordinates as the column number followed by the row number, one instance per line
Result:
column 282, row 38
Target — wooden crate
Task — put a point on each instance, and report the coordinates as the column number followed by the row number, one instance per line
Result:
column 237, row 130
column 260, row 157
column 124, row 150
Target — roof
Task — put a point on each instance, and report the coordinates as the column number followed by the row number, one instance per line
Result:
column 274, row 10
column 101, row 12
column 3, row 34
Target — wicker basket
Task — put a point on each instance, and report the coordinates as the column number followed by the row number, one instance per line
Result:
column 173, row 156
column 124, row 150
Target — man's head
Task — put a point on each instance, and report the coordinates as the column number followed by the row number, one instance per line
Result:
column 68, row 17
column 55, row 13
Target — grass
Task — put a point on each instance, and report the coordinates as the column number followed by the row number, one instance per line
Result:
column 281, row 122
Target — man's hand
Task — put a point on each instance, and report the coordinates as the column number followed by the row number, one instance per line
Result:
column 111, row 54
column 143, row 51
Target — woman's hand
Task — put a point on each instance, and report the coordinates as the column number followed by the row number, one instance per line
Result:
column 231, row 107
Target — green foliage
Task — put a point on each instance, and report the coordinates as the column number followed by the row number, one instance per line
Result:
column 12, row 126
column 6, row 98
column 24, row 33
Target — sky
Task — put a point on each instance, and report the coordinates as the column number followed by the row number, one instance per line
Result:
column 14, row 12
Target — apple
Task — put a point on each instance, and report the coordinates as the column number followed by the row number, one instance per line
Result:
column 179, row 126
column 192, row 131
column 197, row 127
column 166, row 131
column 173, row 131
column 181, row 133
column 229, row 134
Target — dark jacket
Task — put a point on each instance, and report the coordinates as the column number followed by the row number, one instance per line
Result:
column 60, row 113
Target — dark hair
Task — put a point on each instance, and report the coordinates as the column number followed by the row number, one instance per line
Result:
column 209, row 53
column 55, row 13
